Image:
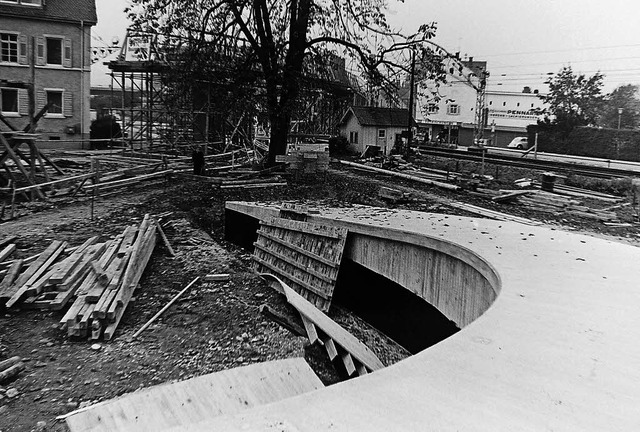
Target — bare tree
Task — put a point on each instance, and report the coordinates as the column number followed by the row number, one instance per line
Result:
column 276, row 38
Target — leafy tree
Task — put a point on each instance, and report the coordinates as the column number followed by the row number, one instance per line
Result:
column 270, row 46
column 573, row 100
column 625, row 97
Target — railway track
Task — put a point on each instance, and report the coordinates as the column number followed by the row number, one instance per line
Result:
column 556, row 166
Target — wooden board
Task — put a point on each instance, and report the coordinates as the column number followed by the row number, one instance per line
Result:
column 306, row 255
column 337, row 341
column 197, row 399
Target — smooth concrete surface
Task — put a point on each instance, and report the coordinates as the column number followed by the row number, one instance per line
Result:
column 197, row 399
column 558, row 349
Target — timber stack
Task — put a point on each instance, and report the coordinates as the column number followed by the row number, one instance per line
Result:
column 308, row 160
column 97, row 279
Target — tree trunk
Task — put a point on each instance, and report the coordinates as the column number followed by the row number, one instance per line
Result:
column 281, row 108
column 280, row 122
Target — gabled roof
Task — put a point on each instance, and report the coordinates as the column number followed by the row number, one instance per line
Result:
column 55, row 10
column 374, row 116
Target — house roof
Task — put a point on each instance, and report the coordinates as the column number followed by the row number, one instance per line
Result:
column 373, row 116
column 55, row 10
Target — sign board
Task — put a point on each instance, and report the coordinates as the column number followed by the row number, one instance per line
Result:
column 138, row 48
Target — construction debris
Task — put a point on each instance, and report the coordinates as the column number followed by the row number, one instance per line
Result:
column 222, row 277
column 419, row 179
column 562, row 205
column 356, row 357
column 393, row 196
column 161, row 311
column 100, row 276
column 10, row 368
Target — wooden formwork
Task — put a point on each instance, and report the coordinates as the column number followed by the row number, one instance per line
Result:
column 306, row 255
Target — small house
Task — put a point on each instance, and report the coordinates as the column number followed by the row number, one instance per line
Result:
column 367, row 127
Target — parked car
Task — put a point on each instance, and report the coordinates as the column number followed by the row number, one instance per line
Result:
column 520, row 143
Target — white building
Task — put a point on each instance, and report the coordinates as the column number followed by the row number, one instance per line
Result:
column 450, row 118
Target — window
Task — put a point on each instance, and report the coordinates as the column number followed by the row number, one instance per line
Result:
column 9, row 47
column 24, row 2
column 382, row 133
column 353, row 137
column 504, row 104
column 453, row 109
column 54, row 51
column 490, row 103
column 432, row 108
column 54, row 98
column 9, row 101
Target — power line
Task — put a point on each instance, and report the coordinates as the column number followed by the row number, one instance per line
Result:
column 557, row 51
column 565, row 61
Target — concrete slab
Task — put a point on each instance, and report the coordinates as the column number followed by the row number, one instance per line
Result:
column 198, row 399
column 556, row 350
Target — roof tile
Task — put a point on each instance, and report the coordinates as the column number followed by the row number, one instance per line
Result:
column 57, row 10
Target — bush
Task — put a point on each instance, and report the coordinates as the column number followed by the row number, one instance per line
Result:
column 589, row 141
column 106, row 127
column 338, row 145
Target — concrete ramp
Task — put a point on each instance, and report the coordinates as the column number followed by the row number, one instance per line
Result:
column 198, row 399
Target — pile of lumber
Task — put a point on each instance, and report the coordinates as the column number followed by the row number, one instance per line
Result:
column 563, row 205
column 101, row 277
column 238, row 178
column 307, row 159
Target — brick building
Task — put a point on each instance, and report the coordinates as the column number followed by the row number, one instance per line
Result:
column 47, row 44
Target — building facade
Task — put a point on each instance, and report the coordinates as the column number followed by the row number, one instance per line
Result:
column 374, row 127
column 450, row 118
column 47, row 44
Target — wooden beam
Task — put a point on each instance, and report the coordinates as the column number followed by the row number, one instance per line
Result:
column 21, row 167
column 330, row 329
column 330, row 346
column 312, row 333
column 165, row 240
column 287, row 321
column 6, row 252
column 167, row 306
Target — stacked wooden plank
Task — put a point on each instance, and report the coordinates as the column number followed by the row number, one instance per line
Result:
column 563, row 205
column 100, row 276
column 308, row 159
column 306, row 255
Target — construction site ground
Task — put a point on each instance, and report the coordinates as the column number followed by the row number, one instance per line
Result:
column 214, row 326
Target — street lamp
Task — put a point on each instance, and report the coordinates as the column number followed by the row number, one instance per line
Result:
column 619, row 116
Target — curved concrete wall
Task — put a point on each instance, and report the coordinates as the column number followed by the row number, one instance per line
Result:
column 455, row 287
column 557, row 350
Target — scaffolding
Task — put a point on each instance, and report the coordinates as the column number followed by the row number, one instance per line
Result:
column 158, row 116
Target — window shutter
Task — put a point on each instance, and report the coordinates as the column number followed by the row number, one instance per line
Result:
column 66, row 62
column 41, row 100
column 23, row 51
column 68, row 104
column 40, row 60
column 23, row 102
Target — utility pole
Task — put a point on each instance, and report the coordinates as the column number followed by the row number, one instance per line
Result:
column 411, row 86
column 478, row 127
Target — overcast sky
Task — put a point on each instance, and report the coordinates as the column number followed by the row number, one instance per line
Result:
column 522, row 40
